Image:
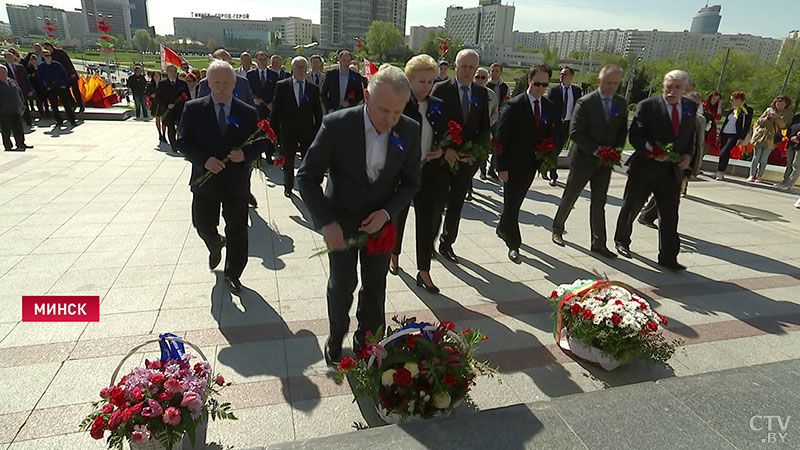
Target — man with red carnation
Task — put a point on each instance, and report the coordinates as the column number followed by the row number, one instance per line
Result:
column 371, row 155
column 664, row 119
column 296, row 116
column 211, row 131
column 599, row 121
column 171, row 94
column 527, row 121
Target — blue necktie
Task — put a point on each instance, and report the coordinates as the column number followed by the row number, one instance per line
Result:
column 465, row 102
column 221, row 119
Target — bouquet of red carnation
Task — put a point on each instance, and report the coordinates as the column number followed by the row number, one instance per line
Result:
column 148, row 101
column 546, row 154
column 608, row 156
column 453, row 136
column 381, row 242
column 263, row 131
column 659, row 150
column 477, row 149
column 418, row 370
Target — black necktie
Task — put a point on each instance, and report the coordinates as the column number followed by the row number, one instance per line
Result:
column 465, row 102
column 300, row 93
column 566, row 100
column 316, row 78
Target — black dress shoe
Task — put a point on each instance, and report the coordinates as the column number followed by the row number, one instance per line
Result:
column 287, row 193
column 27, row 146
column 251, row 200
column 672, row 265
column 513, row 255
column 448, row 253
column 558, row 239
column 332, row 355
column 647, row 223
column 553, row 182
column 469, row 197
column 215, row 255
column 394, row 270
column 603, row 251
column 428, row 287
column 624, row 250
column 234, row 285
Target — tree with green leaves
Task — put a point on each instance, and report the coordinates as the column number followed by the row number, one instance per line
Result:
column 142, row 40
column 211, row 44
column 382, row 37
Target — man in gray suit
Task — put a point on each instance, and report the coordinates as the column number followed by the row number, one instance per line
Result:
column 371, row 154
column 599, row 119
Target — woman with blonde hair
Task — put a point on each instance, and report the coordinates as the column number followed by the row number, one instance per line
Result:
column 769, row 125
column 429, row 202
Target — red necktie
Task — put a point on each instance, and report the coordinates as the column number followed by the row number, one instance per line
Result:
column 536, row 113
column 676, row 122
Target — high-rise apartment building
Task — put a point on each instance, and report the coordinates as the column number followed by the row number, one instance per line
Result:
column 341, row 21
column 140, row 19
column 489, row 23
column 28, row 20
column 116, row 14
column 707, row 20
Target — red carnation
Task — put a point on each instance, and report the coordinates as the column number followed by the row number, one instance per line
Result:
column 116, row 396
column 498, row 148
column 736, row 152
column 402, row 377
column 164, row 396
column 587, row 314
column 545, row 145
column 662, row 318
column 351, row 94
column 411, row 340
column 279, row 161
column 575, row 309
column 156, row 378
column 383, row 241
column 114, row 420
column 618, row 302
column 652, row 326
column 98, row 426
column 137, row 394
column 448, row 379
column 346, row 363
column 553, row 294
column 220, row 380
column 108, row 408
column 184, row 96
column 615, row 319
column 449, row 325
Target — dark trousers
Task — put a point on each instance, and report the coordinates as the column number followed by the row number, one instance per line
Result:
column 560, row 138
column 460, row 183
column 76, row 91
column 11, row 124
column 26, row 116
column 514, row 192
column 428, row 206
column 63, row 95
column 141, row 106
column 42, row 104
column 290, row 145
column 727, row 142
column 371, row 297
column 171, row 121
column 599, row 177
column 661, row 180
column 205, row 218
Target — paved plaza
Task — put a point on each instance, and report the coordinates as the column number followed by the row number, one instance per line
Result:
column 102, row 209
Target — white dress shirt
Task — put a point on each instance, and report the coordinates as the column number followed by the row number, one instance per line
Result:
column 427, row 130
column 344, row 78
column 296, row 87
column 376, row 148
column 568, row 102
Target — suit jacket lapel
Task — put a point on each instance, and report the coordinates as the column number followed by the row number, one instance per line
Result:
column 361, row 147
column 393, row 154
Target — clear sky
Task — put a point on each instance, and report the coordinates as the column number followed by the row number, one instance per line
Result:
column 771, row 18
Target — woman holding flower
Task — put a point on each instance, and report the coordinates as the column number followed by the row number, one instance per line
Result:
column 737, row 124
column 155, row 111
column 712, row 111
column 429, row 202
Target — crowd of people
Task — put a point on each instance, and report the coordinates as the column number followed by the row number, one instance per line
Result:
column 40, row 81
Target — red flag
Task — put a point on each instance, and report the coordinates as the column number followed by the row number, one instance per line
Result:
column 369, row 68
column 169, row 56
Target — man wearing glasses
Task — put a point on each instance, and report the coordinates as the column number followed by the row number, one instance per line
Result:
column 525, row 121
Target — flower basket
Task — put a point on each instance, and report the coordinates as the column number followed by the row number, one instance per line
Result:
column 419, row 370
column 157, row 407
column 608, row 324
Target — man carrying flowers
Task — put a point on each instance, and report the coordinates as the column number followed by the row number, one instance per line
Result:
column 211, row 135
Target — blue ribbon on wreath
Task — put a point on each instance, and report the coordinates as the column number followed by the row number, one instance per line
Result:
column 170, row 349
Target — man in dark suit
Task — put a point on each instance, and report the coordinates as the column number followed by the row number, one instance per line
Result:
column 212, row 128
column 599, row 119
column 18, row 73
column 497, row 84
column 317, row 74
column 342, row 87
column 261, row 84
column 564, row 97
column 371, row 155
column 171, row 93
column 526, row 120
column 467, row 103
column 241, row 91
column 61, row 56
column 296, row 117
column 663, row 119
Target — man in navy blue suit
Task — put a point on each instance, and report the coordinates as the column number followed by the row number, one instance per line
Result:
column 371, row 155
column 563, row 96
column 342, row 87
column 213, row 128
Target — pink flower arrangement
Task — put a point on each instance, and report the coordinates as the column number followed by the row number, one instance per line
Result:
column 161, row 401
